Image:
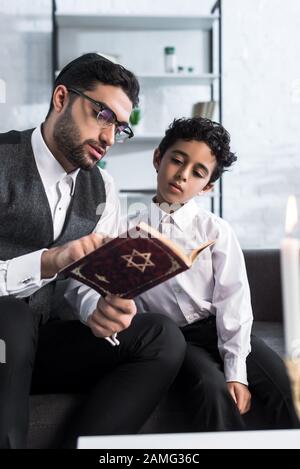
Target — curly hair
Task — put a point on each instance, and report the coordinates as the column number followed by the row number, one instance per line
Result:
column 202, row 130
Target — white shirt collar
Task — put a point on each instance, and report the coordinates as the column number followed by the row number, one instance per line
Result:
column 49, row 168
column 181, row 217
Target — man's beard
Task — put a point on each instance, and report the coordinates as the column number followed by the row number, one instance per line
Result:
column 67, row 141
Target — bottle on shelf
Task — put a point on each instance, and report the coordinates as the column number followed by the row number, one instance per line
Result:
column 136, row 121
column 102, row 164
column 170, row 60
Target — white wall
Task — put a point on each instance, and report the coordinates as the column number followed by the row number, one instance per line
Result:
column 25, row 62
column 261, row 101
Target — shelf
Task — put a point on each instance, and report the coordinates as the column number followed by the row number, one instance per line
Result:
column 145, row 139
column 134, row 192
column 135, row 22
column 175, row 78
column 178, row 78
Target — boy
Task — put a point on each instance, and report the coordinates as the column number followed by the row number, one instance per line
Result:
column 210, row 302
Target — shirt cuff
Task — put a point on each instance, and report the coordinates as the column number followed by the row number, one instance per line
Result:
column 235, row 369
column 82, row 298
column 88, row 306
column 23, row 277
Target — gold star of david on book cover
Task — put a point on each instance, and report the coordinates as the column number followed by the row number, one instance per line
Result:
column 144, row 255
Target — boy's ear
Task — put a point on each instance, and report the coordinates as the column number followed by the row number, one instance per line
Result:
column 156, row 159
column 209, row 187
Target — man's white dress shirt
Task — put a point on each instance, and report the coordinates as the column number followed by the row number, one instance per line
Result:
column 21, row 276
column 216, row 284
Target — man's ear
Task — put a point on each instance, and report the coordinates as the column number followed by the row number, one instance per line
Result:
column 60, row 97
column 209, row 187
column 156, row 159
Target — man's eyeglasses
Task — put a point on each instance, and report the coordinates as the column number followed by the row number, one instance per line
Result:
column 105, row 116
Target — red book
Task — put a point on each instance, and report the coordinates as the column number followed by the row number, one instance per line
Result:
column 132, row 263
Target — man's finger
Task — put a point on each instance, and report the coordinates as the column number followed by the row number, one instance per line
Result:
column 97, row 329
column 125, row 306
column 108, row 310
column 108, row 324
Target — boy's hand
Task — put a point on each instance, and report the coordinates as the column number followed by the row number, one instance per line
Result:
column 55, row 259
column 113, row 314
column 241, row 396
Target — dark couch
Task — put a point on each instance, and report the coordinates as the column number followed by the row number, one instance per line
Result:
column 49, row 413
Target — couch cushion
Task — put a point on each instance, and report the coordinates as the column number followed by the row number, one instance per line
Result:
column 271, row 333
column 263, row 269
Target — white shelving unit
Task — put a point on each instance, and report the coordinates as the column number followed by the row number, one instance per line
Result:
column 141, row 40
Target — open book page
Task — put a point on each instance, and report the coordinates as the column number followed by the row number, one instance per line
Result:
column 199, row 249
column 187, row 259
column 168, row 242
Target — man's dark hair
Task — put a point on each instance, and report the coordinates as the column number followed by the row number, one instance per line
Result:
column 85, row 72
column 202, row 130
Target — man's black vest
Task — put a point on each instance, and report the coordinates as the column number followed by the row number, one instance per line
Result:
column 25, row 216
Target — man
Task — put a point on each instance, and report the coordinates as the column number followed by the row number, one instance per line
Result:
column 50, row 194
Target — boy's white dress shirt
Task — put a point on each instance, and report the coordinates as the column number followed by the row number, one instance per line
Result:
column 216, row 284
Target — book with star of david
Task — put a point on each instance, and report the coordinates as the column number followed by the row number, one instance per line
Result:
column 132, row 263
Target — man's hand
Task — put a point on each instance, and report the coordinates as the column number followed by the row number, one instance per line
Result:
column 113, row 314
column 55, row 259
column 241, row 396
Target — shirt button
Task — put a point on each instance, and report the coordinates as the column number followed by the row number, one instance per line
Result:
column 178, row 289
column 26, row 280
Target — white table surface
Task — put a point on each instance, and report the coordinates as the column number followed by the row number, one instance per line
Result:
column 273, row 439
